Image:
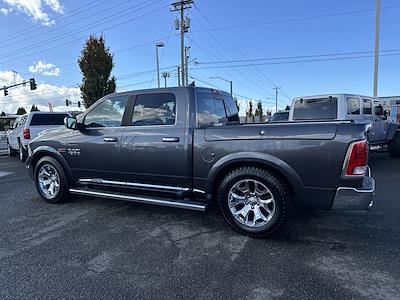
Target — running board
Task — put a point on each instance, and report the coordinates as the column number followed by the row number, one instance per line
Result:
column 140, row 199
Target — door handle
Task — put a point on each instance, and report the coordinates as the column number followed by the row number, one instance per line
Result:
column 170, row 139
column 110, row 139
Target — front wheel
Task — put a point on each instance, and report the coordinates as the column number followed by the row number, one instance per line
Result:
column 50, row 180
column 254, row 202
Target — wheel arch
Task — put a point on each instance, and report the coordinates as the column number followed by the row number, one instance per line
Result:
column 391, row 132
column 264, row 161
column 43, row 151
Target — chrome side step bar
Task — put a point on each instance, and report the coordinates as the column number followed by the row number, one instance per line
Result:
column 141, row 199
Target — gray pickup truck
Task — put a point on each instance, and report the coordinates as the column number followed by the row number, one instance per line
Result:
column 184, row 147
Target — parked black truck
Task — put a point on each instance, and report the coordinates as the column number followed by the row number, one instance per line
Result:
column 184, row 147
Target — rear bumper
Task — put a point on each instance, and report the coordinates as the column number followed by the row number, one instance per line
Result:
column 348, row 198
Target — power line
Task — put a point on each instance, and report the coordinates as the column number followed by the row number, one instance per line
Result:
column 115, row 16
column 237, row 49
column 104, row 29
column 296, row 19
column 29, row 29
column 294, row 61
column 73, row 22
column 299, row 56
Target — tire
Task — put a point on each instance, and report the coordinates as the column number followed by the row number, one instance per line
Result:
column 51, row 166
column 274, row 204
column 23, row 154
column 11, row 151
column 394, row 146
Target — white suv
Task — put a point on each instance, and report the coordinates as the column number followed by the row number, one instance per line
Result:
column 28, row 127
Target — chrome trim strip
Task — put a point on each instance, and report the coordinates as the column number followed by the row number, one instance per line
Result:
column 198, row 191
column 134, row 184
column 191, row 206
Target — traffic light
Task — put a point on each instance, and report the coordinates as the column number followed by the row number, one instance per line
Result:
column 5, row 93
column 66, row 102
column 79, row 104
column 32, row 84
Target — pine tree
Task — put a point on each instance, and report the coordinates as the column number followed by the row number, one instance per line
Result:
column 259, row 110
column 21, row 111
column 96, row 63
column 34, row 108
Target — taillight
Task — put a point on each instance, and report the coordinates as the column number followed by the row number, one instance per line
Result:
column 356, row 160
column 27, row 134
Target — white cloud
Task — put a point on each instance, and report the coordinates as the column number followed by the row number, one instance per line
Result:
column 47, row 69
column 35, row 10
column 42, row 96
column 5, row 11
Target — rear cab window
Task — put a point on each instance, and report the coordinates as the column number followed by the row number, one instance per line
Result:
column 353, row 106
column 215, row 108
column 47, row 119
column 315, row 109
column 367, row 107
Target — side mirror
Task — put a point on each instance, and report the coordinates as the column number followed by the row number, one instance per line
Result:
column 70, row 123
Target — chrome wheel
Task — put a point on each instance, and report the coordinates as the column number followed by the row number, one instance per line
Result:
column 251, row 203
column 49, row 181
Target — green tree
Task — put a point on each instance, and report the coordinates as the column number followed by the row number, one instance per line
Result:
column 21, row 111
column 34, row 108
column 259, row 110
column 249, row 112
column 96, row 63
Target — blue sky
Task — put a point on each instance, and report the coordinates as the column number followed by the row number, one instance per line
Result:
column 43, row 39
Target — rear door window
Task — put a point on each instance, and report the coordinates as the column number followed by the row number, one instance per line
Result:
column 353, row 106
column 48, row 119
column 315, row 109
column 367, row 107
column 154, row 109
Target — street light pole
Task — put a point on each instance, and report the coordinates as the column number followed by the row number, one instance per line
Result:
column 158, row 45
column 376, row 60
column 229, row 81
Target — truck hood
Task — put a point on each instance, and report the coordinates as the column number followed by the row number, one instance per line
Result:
column 281, row 131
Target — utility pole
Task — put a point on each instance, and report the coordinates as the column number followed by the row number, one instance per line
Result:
column 376, row 60
column 186, row 66
column 15, row 73
column 276, row 97
column 158, row 45
column 183, row 25
column 179, row 76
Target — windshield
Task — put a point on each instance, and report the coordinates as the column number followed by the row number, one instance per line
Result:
column 315, row 109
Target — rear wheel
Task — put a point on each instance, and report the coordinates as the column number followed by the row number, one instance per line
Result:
column 11, row 151
column 23, row 154
column 253, row 201
column 51, row 181
column 394, row 146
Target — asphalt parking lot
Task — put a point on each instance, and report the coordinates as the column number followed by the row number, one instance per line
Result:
column 98, row 249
